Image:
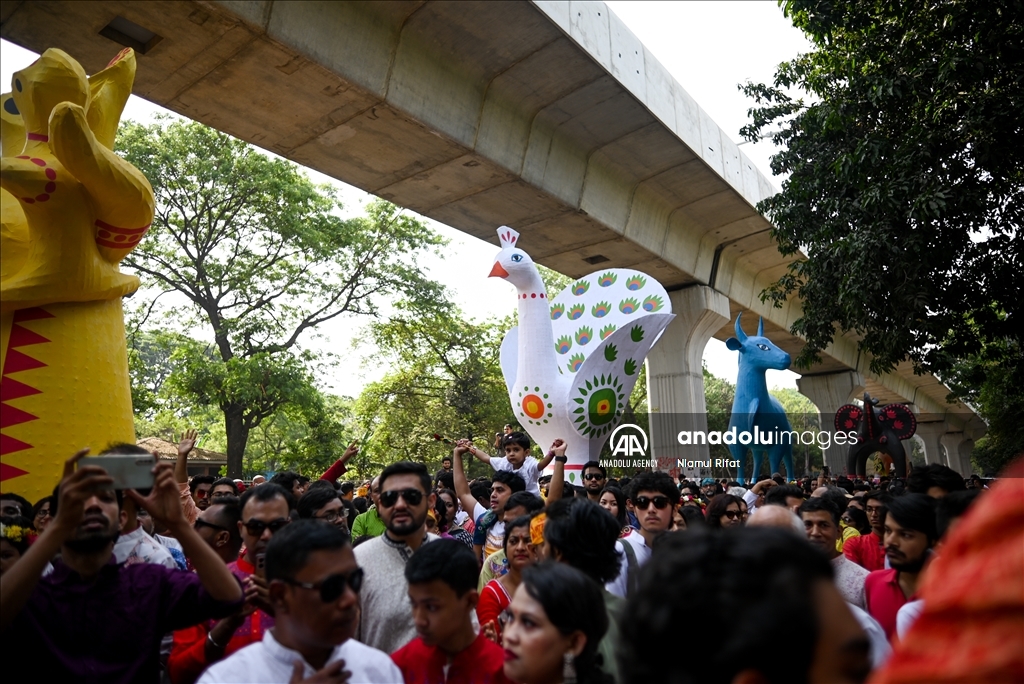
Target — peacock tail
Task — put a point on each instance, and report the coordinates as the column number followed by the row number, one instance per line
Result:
column 593, row 307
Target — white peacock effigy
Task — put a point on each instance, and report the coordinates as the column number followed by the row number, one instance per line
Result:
column 572, row 362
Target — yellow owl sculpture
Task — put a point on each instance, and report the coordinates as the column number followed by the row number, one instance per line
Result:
column 72, row 210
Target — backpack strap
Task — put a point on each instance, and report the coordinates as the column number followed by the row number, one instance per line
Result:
column 633, row 579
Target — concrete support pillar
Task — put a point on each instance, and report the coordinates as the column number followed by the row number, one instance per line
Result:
column 965, row 449
column 828, row 393
column 675, row 377
column 951, row 443
column 931, row 434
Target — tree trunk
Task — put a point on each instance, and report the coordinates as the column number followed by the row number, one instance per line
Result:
column 238, row 436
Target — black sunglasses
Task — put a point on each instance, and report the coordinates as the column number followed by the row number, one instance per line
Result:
column 333, row 587
column 200, row 523
column 256, row 527
column 593, row 476
column 642, row 502
column 413, row 497
column 732, row 515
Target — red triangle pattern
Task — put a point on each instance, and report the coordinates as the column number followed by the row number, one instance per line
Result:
column 33, row 314
column 12, row 389
column 22, row 337
column 14, row 416
column 8, row 445
column 9, row 472
column 16, row 362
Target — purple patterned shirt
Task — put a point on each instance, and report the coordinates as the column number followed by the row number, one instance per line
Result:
column 108, row 629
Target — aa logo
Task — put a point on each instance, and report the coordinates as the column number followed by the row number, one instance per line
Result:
column 629, row 440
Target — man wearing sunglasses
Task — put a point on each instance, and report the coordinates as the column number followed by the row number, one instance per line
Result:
column 405, row 497
column 654, row 498
column 315, row 583
column 594, row 480
column 265, row 511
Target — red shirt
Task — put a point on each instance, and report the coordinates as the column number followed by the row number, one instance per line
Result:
column 482, row 663
column 866, row 551
column 883, row 598
column 188, row 655
column 493, row 600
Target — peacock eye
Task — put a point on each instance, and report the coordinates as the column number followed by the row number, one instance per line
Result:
column 763, row 347
column 517, row 258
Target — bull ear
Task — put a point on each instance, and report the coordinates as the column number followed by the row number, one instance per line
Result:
column 734, row 344
column 760, row 327
column 740, row 335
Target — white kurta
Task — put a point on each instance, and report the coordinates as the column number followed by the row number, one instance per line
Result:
column 270, row 662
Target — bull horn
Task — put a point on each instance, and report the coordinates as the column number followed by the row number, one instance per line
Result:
column 760, row 327
column 740, row 335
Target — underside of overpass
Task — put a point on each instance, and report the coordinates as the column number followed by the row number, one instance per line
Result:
column 550, row 117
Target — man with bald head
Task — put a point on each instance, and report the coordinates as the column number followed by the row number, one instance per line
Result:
column 776, row 516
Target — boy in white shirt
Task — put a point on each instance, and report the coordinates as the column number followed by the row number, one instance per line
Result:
column 517, row 460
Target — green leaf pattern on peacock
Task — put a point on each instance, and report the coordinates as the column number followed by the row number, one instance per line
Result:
column 653, row 303
column 600, row 310
column 575, row 312
column 556, row 311
column 636, row 282
column 628, row 306
column 608, row 330
column 584, row 335
column 575, row 361
column 580, row 287
column 600, row 404
column 563, row 345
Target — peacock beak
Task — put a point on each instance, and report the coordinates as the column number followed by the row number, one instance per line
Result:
column 497, row 271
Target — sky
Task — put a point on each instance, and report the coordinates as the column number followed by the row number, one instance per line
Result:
column 708, row 47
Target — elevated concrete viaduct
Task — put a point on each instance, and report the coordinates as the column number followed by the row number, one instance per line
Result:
column 551, row 117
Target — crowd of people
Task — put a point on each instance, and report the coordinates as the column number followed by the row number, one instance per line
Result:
column 520, row 577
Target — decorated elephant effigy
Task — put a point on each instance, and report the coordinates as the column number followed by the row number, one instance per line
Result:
column 72, row 210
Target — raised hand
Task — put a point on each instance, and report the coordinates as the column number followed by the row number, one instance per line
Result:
column 188, row 442
column 163, row 502
column 559, row 446
column 350, row 452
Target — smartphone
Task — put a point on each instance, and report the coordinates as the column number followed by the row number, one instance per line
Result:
column 260, row 563
column 130, row 471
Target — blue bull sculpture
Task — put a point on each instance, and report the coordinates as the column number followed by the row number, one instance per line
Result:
column 754, row 411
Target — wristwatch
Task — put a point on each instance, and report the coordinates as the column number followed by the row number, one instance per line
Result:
column 562, row 459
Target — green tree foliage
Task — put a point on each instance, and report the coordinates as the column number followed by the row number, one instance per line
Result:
column 307, row 438
column 261, row 257
column 444, row 378
column 905, row 190
column 906, row 184
column 159, row 410
column 994, row 388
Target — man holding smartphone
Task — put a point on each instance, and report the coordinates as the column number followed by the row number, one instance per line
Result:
column 92, row 620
